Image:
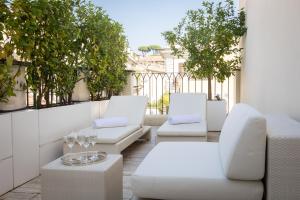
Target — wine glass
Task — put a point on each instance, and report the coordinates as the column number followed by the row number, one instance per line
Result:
column 70, row 140
column 93, row 138
column 80, row 141
column 86, row 145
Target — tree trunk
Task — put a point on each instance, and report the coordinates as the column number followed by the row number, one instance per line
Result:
column 47, row 94
column 34, row 100
column 92, row 96
column 209, row 95
column 70, row 98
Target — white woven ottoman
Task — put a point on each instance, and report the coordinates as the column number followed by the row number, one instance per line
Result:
column 102, row 181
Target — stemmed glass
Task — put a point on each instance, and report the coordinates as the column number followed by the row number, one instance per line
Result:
column 70, row 140
column 92, row 139
column 86, row 145
column 80, row 141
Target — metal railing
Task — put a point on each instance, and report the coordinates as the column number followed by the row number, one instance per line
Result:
column 158, row 87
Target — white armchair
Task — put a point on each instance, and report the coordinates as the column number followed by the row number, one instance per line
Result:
column 231, row 169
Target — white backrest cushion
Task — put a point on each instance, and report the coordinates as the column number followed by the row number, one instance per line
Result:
column 188, row 103
column 242, row 144
column 131, row 107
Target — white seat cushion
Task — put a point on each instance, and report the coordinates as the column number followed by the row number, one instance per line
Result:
column 242, row 144
column 194, row 129
column 111, row 135
column 189, row 170
column 131, row 107
column 188, row 103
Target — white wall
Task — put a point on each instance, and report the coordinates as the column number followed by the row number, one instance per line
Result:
column 271, row 71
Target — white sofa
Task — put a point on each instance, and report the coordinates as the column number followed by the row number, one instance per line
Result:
column 283, row 158
column 116, row 139
column 182, row 104
column 231, row 169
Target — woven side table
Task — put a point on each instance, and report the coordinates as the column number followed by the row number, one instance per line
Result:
column 101, row 181
column 283, row 158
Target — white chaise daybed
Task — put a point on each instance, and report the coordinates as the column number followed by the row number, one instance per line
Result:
column 116, row 139
column 185, row 104
column 229, row 170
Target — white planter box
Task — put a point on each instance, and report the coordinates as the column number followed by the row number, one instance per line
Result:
column 50, row 152
column 55, row 123
column 30, row 139
column 25, row 146
column 5, row 136
column 6, row 175
column 216, row 115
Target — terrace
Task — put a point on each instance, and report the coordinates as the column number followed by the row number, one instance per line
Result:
column 32, row 135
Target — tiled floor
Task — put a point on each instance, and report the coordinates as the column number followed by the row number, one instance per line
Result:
column 133, row 156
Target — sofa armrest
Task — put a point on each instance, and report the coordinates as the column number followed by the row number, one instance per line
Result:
column 283, row 158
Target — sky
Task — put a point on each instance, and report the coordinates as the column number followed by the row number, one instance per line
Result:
column 145, row 20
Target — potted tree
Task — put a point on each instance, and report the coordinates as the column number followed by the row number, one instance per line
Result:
column 209, row 38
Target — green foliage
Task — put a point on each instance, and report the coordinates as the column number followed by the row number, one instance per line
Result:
column 106, row 53
column 146, row 49
column 62, row 39
column 210, row 36
column 162, row 104
column 7, row 79
column 44, row 33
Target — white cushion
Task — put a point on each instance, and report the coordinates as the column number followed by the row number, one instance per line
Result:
column 110, row 122
column 184, row 119
column 195, row 129
column 242, row 144
column 111, row 135
column 131, row 107
column 189, row 170
column 188, row 103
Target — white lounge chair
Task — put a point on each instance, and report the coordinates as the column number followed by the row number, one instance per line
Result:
column 229, row 170
column 184, row 104
column 116, row 139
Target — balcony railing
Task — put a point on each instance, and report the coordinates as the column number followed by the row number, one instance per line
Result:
column 158, row 87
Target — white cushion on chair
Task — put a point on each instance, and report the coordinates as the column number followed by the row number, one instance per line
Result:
column 131, row 107
column 111, row 135
column 194, row 129
column 189, row 170
column 188, row 103
column 242, row 144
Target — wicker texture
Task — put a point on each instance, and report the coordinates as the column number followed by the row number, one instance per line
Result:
column 283, row 158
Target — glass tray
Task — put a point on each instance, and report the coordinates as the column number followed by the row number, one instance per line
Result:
column 83, row 158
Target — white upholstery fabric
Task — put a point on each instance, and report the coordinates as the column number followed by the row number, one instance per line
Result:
column 189, row 170
column 188, row 103
column 131, row 107
column 242, row 144
column 195, row 129
column 111, row 135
